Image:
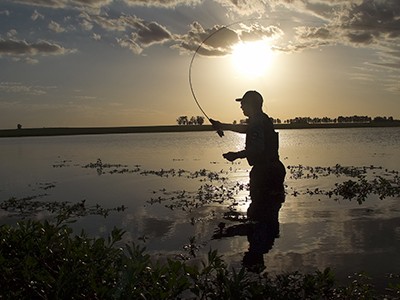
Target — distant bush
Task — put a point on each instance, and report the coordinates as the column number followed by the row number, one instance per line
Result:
column 40, row 260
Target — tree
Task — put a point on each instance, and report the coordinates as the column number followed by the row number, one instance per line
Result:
column 200, row 120
column 182, row 120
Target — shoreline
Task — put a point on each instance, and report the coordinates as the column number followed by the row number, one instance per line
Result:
column 58, row 131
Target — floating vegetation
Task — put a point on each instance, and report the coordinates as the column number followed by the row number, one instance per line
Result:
column 100, row 166
column 207, row 193
column 219, row 187
column 62, row 163
column 47, row 185
column 308, row 172
column 202, row 174
column 385, row 184
column 29, row 206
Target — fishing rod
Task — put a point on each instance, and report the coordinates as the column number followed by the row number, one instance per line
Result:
column 219, row 131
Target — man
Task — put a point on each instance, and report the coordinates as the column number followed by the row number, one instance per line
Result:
column 268, row 173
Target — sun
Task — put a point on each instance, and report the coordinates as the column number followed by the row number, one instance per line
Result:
column 252, row 59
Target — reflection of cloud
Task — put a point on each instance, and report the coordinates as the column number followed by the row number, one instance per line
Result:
column 154, row 227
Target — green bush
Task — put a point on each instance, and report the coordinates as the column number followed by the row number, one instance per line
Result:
column 40, row 260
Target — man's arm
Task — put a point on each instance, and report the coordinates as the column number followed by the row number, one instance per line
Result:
column 232, row 156
column 239, row 128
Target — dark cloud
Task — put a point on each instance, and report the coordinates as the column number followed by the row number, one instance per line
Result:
column 373, row 24
column 161, row 3
column 138, row 33
column 215, row 41
column 44, row 3
column 360, row 38
column 13, row 47
column 257, row 32
column 91, row 4
column 377, row 16
column 151, row 33
column 319, row 33
column 218, row 40
column 145, row 35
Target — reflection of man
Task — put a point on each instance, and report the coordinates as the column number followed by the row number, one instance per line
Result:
column 261, row 151
column 260, row 235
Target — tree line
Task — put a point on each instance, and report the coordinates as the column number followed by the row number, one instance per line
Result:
column 340, row 119
column 184, row 120
column 199, row 120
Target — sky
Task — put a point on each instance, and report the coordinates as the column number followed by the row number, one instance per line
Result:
column 78, row 63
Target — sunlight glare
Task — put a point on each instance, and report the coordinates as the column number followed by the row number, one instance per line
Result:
column 252, row 59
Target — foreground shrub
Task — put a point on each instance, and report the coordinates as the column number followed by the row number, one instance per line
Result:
column 40, row 260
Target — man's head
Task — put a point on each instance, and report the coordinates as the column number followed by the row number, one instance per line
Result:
column 251, row 102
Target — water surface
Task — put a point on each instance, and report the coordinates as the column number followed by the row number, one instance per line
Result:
column 316, row 231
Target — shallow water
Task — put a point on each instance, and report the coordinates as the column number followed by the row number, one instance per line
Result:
column 158, row 177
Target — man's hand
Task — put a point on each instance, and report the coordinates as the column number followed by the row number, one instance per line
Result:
column 231, row 156
column 217, row 125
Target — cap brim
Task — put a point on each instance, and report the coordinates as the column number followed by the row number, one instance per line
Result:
column 239, row 99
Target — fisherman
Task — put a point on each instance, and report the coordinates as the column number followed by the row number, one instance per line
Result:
column 261, row 151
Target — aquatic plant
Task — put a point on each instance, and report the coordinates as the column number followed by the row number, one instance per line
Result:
column 28, row 207
column 385, row 184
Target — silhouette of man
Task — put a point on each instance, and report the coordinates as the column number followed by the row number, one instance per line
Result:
column 261, row 151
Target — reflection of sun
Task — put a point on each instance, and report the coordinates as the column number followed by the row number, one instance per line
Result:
column 252, row 59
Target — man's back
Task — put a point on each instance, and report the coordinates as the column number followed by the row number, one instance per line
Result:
column 261, row 140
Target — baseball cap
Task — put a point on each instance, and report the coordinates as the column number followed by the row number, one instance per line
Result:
column 253, row 97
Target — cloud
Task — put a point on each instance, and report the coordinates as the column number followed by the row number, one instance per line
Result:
column 246, row 7
column 90, row 5
column 149, row 33
column 215, row 41
column 54, row 26
column 96, row 37
column 130, row 44
column 161, row 3
column 373, row 24
column 218, row 40
column 44, row 3
column 36, row 15
column 12, row 33
column 14, row 47
column 138, row 33
column 257, row 32
column 19, row 88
